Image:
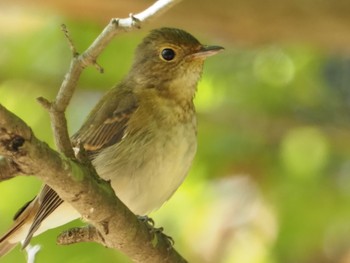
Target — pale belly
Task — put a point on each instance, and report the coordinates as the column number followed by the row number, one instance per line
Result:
column 145, row 175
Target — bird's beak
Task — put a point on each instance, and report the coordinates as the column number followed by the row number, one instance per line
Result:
column 207, row 51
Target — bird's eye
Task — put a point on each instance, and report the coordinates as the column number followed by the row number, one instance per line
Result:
column 168, row 54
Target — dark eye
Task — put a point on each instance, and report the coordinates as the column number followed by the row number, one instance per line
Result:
column 168, row 54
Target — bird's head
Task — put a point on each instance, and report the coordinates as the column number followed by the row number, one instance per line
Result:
column 168, row 57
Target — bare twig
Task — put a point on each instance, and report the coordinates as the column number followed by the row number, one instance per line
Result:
column 80, row 234
column 89, row 57
column 70, row 41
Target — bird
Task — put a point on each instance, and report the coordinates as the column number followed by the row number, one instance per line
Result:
column 141, row 136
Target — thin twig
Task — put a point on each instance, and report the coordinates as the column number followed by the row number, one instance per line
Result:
column 44, row 103
column 89, row 57
column 80, row 234
column 69, row 39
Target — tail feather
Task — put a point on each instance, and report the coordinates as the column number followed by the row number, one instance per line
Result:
column 6, row 247
column 15, row 235
column 44, row 212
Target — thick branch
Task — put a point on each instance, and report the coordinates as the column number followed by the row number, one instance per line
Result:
column 8, row 169
column 92, row 197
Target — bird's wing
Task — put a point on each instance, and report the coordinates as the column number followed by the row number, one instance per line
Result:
column 94, row 136
column 98, row 133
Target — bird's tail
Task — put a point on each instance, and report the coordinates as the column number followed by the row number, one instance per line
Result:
column 9, row 240
column 46, row 206
column 6, row 247
column 16, row 233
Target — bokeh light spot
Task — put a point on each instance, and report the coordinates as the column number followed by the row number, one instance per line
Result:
column 304, row 151
column 274, row 67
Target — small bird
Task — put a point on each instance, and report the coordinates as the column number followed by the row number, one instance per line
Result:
column 141, row 135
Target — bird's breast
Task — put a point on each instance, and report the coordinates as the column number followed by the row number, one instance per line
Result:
column 147, row 166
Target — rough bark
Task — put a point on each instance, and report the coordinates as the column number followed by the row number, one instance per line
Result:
column 76, row 181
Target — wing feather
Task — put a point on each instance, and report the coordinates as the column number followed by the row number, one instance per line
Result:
column 96, row 134
column 106, row 126
column 49, row 201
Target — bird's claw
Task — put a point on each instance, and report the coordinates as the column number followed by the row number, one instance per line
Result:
column 145, row 219
column 157, row 231
column 170, row 241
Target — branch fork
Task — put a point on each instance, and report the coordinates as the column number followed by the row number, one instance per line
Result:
column 112, row 223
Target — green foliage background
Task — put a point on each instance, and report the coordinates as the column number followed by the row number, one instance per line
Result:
column 271, row 179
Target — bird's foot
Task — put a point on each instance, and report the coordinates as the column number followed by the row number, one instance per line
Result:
column 157, row 231
column 147, row 220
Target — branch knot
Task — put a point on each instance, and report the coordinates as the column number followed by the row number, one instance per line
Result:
column 15, row 143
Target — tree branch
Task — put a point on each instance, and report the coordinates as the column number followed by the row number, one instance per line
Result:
column 114, row 225
column 80, row 234
column 91, row 196
column 8, row 169
column 89, row 57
